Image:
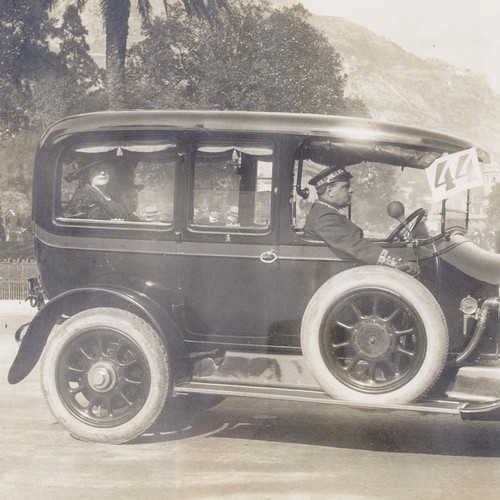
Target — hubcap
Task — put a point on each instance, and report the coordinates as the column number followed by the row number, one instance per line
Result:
column 102, row 376
column 372, row 339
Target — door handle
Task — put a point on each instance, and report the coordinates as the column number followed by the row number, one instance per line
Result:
column 268, row 257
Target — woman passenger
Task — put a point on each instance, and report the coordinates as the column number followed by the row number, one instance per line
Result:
column 91, row 200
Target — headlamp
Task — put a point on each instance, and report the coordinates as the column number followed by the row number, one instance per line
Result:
column 469, row 305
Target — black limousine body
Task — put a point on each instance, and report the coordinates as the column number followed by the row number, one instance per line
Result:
column 173, row 264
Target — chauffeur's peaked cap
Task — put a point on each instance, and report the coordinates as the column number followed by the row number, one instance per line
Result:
column 329, row 175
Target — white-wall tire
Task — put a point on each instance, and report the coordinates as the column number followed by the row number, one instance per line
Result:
column 105, row 375
column 373, row 335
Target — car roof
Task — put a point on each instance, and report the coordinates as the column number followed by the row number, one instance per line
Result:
column 340, row 127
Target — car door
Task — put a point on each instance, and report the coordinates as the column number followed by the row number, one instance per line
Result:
column 229, row 243
column 304, row 265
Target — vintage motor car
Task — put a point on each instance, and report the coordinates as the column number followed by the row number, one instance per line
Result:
column 202, row 282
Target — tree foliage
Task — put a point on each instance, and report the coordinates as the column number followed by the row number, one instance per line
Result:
column 25, row 57
column 16, row 164
column 257, row 59
column 76, row 83
column 80, row 69
column 38, row 86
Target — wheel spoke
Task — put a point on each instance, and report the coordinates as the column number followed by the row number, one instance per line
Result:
column 121, row 345
column 88, row 356
column 100, row 346
column 98, row 407
column 111, row 348
column 403, row 333
column 345, row 326
column 341, row 345
column 108, row 407
column 134, row 382
column 376, row 299
column 393, row 315
column 129, row 403
column 404, row 351
column 74, row 369
column 74, row 374
column 127, row 364
column 372, row 370
column 356, row 310
column 388, row 370
column 95, row 410
column 94, row 407
column 352, row 364
column 76, row 390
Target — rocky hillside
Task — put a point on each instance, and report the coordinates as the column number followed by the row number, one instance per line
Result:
column 401, row 87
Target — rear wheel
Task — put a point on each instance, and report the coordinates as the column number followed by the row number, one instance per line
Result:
column 375, row 335
column 105, row 375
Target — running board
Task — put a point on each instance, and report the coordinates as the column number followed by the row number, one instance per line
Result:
column 469, row 411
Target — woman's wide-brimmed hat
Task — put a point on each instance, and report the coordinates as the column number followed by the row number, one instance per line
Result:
column 81, row 171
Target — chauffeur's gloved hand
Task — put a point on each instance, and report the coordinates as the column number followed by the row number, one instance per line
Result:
column 408, row 267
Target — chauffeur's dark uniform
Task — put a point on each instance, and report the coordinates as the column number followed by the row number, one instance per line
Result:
column 325, row 222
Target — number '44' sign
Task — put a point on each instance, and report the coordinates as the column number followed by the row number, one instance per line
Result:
column 453, row 173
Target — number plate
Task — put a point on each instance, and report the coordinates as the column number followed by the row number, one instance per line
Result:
column 454, row 173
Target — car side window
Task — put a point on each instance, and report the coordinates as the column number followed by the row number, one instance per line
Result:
column 118, row 182
column 232, row 186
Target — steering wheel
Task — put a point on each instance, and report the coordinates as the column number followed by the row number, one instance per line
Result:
column 409, row 222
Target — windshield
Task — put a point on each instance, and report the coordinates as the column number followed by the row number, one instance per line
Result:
column 375, row 185
column 431, row 175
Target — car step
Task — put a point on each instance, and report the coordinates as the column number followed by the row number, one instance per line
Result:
column 467, row 410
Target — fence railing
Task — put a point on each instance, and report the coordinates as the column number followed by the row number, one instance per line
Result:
column 14, row 274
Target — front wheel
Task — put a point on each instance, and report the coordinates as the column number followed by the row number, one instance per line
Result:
column 105, row 375
column 374, row 335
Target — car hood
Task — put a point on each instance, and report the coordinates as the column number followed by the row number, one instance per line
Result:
column 471, row 259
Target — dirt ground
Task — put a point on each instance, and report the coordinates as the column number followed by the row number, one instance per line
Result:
column 241, row 449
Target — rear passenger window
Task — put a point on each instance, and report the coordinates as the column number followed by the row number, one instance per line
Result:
column 119, row 182
column 232, row 186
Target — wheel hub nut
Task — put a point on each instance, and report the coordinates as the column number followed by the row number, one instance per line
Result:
column 102, row 377
column 372, row 339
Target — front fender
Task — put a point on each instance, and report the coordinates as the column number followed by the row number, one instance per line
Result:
column 79, row 299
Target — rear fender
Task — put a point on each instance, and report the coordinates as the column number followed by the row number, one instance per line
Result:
column 80, row 299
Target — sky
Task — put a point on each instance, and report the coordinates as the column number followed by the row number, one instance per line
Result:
column 465, row 33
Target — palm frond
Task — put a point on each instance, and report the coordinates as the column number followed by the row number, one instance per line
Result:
column 205, row 9
column 123, row 6
column 144, row 8
column 120, row 7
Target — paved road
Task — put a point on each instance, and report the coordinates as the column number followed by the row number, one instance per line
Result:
column 243, row 449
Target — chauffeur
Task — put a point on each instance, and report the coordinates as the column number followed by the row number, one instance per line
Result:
column 326, row 222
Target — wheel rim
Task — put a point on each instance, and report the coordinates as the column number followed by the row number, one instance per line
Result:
column 373, row 341
column 103, row 378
